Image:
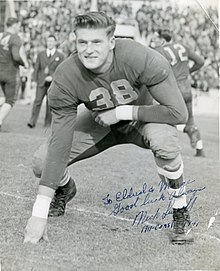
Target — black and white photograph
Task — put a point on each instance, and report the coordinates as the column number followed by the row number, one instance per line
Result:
column 109, row 135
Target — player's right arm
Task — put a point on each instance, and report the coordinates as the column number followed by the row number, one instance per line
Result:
column 63, row 107
column 198, row 61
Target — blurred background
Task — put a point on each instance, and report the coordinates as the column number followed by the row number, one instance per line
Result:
column 194, row 22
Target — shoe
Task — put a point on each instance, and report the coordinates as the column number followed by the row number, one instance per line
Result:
column 31, row 125
column 200, row 153
column 194, row 135
column 181, row 227
column 62, row 196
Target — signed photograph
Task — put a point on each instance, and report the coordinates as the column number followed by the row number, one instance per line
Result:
column 109, row 135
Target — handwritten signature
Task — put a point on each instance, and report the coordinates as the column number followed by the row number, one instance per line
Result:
column 131, row 198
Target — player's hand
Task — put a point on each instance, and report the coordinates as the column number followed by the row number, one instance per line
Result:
column 49, row 78
column 106, row 118
column 36, row 230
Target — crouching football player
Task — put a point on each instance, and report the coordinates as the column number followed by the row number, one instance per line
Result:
column 109, row 77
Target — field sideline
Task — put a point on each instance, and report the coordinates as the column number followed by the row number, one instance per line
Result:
column 88, row 237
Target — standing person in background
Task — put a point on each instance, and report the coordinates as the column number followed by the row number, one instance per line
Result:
column 179, row 56
column 23, row 80
column 46, row 64
column 110, row 81
column 10, row 59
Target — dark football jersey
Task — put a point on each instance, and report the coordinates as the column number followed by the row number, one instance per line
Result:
column 178, row 56
column 9, row 43
column 134, row 69
column 134, row 65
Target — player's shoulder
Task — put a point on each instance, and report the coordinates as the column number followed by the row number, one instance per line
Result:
column 160, row 49
column 135, row 54
column 128, row 48
column 69, row 66
column 180, row 43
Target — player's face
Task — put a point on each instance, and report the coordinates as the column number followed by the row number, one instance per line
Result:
column 94, row 49
column 155, row 41
column 51, row 43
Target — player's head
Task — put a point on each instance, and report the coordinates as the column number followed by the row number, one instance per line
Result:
column 95, row 20
column 13, row 24
column 155, row 41
column 165, row 33
column 94, row 39
column 51, row 42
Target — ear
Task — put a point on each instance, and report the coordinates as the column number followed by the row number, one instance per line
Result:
column 112, row 43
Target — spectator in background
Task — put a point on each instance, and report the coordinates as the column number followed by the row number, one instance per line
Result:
column 191, row 27
column 39, row 18
column 11, row 56
column 23, row 80
column 46, row 64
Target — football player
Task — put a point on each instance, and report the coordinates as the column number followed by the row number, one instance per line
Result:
column 10, row 59
column 109, row 77
column 179, row 56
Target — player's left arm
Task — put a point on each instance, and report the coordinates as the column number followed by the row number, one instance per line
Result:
column 198, row 61
column 158, row 76
column 171, row 108
column 156, row 73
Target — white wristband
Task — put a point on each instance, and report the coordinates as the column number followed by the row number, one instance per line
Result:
column 124, row 112
column 41, row 206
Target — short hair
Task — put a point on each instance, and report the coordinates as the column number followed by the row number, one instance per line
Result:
column 11, row 21
column 165, row 34
column 94, row 20
column 52, row 36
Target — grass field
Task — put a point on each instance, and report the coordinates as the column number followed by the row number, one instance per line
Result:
column 88, row 237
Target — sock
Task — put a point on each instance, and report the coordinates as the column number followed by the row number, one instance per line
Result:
column 178, row 197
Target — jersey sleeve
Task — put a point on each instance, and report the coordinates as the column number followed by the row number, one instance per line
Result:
column 198, row 60
column 14, row 46
column 170, row 107
column 153, row 70
column 64, row 109
column 158, row 76
column 156, row 68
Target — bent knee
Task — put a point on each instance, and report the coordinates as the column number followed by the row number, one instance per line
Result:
column 166, row 150
column 164, row 141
